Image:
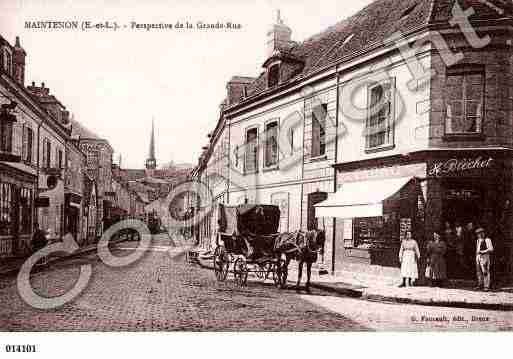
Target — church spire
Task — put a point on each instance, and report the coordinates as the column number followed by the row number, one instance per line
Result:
column 151, row 162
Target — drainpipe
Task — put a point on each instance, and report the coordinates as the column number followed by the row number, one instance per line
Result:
column 334, row 239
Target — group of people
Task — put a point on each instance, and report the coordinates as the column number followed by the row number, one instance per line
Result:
column 458, row 251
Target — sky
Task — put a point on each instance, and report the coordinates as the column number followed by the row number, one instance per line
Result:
column 115, row 82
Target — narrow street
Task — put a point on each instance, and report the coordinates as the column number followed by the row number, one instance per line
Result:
column 162, row 292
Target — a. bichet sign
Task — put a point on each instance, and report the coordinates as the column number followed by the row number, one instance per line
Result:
column 455, row 165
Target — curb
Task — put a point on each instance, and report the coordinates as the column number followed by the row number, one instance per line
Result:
column 361, row 294
column 79, row 252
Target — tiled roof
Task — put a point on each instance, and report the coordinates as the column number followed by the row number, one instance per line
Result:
column 373, row 25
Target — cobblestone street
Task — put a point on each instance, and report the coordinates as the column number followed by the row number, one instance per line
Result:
column 162, row 292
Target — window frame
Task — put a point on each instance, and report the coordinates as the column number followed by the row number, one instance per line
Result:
column 322, row 132
column 465, row 70
column 6, row 136
column 273, row 79
column 246, row 147
column 269, row 122
column 390, row 141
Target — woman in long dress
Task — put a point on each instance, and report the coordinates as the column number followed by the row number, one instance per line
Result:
column 409, row 255
column 436, row 250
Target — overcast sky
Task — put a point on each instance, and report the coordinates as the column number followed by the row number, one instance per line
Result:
column 115, row 82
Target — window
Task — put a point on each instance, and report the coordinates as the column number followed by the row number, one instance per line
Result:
column 6, row 208
column 271, row 144
column 251, row 151
column 60, row 159
column 5, row 136
column 26, row 211
column 319, row 130
column 7, row 62
column 47, row 153
column 273, row 76
column 379, row 124
column 28, row 138
column 464, row 96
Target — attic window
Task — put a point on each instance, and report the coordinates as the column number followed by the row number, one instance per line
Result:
column 408, row 11
column 273, row 76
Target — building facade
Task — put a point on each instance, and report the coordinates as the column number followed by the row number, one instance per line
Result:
column 349, row 132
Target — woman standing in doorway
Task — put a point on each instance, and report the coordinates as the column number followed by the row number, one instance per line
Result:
column 436, row 250
column 409, row 255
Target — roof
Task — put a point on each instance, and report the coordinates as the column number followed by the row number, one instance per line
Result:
column 373, row 25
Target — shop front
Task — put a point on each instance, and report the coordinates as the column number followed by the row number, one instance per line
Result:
column 378, row 201
column 17, row 188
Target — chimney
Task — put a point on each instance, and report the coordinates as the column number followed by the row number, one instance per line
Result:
column 279, row 37
column 235, row 88
column 19, row 62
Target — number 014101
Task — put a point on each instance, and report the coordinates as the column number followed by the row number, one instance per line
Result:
column 15, row 348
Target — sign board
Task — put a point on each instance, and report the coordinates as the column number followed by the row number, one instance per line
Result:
column 455, row 166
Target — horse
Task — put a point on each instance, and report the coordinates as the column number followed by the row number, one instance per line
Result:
column 303, row 247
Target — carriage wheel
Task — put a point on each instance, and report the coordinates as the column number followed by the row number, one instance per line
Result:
column 221, row 263
column 280, row 273
column 240, row 272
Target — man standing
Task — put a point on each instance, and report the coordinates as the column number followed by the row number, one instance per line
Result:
column 484, row 249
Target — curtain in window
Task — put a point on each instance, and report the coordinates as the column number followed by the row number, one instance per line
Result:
column 271, row 144
column 251, row 150
column 464, row 95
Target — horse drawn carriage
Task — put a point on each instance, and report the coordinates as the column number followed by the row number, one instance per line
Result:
column 245, row 243
column 248, row 242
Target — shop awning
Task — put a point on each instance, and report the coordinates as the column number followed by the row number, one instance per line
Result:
column 360, row 199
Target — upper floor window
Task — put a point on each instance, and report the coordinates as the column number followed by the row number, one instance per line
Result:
column 273, row 76
column 271, row 144
column 379, row 125
column 60, row 159
column 28, row 144
column 6, row 135
column 251, row 151
column 319, row 114
column 47, row 153
column 7, row 63
column 464, row 99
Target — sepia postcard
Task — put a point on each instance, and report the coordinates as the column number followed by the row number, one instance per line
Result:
column 241, row 166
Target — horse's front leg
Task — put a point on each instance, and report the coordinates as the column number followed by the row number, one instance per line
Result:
column 308, row 275
column 285, row 272
column 299, row 274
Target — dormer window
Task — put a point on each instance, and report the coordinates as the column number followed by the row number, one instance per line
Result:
column 273, row 76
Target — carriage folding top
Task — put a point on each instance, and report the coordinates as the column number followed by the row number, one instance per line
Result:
column 249, row 229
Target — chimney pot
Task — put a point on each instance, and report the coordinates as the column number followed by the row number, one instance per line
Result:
column 33, row 83
column 42, row 84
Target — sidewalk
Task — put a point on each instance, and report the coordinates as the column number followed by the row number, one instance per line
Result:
column 374, row 288
column 11, row 266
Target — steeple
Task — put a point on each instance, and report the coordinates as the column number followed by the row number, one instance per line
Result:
column 151, row 162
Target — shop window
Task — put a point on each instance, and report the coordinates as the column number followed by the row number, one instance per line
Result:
column 372, row 232
column 26, row 211
column 379, row 125
column 273, row 76
column 6, row 208
column 464, row 100
column 251, row 151
column 271, row 144
column 6, row 129
column 319, row 130
column 313, row 199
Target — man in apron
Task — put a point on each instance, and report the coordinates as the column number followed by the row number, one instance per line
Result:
column 484, row 249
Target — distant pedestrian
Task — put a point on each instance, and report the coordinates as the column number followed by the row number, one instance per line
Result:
column 409, row 255
column 484, row 249
column 436, row 250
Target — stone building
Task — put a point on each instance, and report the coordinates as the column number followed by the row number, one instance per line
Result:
column 34, row 130
column 98, row 153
